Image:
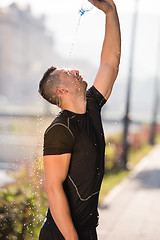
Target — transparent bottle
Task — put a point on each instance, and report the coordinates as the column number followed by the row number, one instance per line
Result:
column 86, row 6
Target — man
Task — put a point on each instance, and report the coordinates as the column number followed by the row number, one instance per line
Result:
column 74, row 143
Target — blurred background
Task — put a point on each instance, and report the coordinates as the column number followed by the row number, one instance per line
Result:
column 35, row 35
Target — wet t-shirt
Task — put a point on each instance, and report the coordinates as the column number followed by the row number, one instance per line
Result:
column 82, row 136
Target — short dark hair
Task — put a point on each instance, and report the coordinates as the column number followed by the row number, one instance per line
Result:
column 47, row 85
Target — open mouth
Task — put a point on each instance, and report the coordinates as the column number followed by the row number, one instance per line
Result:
column 79, row 78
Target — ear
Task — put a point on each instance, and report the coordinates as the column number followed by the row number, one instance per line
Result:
column 61, row 91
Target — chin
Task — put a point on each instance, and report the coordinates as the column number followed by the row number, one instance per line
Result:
column 85, row 84
column 81, row 87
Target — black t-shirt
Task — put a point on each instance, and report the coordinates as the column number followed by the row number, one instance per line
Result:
column 82, row 136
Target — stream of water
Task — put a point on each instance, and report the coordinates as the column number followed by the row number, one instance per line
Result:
column 75, row 35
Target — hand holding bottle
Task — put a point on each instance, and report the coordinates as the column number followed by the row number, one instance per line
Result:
column 86, row 6
column 105, row 5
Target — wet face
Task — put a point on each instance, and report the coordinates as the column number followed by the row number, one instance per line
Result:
column 72, row 80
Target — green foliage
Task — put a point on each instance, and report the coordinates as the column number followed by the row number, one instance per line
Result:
column 22, row 207
column 110, row 156
column 138, row 148
column 113, row 152
column 114, row 147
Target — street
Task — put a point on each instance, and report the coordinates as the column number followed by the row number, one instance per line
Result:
column 131, row 211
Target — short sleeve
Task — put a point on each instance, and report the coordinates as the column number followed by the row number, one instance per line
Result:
column 58, row 139
column 96, row 96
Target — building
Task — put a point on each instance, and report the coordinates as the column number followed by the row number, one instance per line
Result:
column 25, row 53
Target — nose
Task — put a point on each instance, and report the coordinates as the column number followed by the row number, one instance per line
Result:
column 77, row 72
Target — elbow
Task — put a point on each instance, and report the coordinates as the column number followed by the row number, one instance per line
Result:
column 113, row 63
column 53, row 188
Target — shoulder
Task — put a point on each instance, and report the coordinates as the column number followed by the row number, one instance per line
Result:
column 59, row 126
column 58, row 138
column 95, row 97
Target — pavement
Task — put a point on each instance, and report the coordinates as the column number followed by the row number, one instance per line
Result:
column 131, row 211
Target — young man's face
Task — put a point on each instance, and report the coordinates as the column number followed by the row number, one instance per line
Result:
column 72, row 80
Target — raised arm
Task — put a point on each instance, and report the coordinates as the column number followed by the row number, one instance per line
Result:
column 56, row 169
column 111, row 50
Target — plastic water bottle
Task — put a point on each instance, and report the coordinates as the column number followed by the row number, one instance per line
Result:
column 86, row 6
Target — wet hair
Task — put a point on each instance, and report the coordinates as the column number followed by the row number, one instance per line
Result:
column 47, row 85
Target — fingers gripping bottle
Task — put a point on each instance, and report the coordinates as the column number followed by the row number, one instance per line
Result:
column 86, row 6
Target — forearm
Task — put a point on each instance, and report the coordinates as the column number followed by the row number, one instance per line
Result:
column 111, row 49
column 61, row 213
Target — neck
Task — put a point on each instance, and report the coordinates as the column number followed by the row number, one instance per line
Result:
column 76, row 105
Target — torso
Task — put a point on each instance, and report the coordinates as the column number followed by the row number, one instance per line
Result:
column 86, row 169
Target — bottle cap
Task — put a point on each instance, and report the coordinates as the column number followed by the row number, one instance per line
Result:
column 81, row 12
